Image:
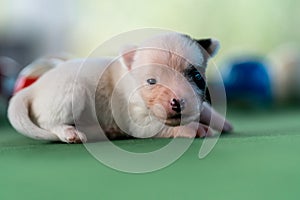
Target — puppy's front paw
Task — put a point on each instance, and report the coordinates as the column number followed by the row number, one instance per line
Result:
column 70, row 134
column 178, row 131
column 191, row 130
column 200, row 130
column 204, row 131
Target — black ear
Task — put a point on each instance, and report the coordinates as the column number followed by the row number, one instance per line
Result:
column 211, row 46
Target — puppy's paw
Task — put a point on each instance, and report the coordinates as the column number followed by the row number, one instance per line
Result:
column 70, row 134
column 178, row 132
column 204, row 131
column 199, row 130
column 191, row 130
column 74, row 136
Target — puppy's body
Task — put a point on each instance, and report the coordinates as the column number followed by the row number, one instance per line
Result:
column 88, row 93
column 49, row 101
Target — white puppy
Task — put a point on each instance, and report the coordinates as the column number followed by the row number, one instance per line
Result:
column 152, row 90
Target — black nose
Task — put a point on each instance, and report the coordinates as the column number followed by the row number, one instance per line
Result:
column 178, row 105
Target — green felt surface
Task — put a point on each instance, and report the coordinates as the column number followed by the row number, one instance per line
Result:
column 260, row 160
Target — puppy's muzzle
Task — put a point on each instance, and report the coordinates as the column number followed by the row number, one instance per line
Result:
column 177, row 105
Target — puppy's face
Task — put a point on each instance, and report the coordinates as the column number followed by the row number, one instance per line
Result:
column 170, row 72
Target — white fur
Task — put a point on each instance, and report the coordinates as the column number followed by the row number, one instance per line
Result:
column 49, row 108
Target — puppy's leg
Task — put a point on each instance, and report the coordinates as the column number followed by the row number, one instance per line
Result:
column 191, row 130
column 69, row 134
column 219, row 123
column 204, row 131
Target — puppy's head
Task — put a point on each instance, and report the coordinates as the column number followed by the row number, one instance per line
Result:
column 170, row 72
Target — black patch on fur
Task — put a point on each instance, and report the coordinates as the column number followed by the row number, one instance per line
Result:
column 207, row 96
column 193, row 75
column 205, row 43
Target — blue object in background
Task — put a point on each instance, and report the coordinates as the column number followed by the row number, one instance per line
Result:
column 248, row 82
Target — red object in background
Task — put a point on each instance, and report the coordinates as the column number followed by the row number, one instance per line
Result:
column 23, row 82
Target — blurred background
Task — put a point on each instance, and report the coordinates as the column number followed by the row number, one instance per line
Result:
column 259, row 61
column 252, row 33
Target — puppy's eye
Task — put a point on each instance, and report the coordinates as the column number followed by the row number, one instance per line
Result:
column 197, row 78
column 151, row 81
